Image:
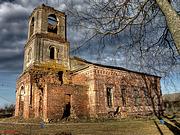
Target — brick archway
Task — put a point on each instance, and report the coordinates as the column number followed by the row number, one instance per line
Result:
column 21, row 101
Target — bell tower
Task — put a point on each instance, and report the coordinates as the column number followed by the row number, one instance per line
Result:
column 47, row 43
column 46, row 62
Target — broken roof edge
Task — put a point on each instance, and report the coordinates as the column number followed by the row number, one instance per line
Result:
column 112, row 67
column 43, row 6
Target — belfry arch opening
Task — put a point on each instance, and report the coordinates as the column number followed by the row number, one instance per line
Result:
column 32, row 26
column 52, row 23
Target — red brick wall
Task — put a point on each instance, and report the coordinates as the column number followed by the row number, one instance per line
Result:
column 88, row 93
column 56, row 100
column 116, row 79
column 23, row 81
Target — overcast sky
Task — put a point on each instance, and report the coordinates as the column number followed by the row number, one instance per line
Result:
column 13, row 34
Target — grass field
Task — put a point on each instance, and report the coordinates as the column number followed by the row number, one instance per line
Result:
column 110, row 127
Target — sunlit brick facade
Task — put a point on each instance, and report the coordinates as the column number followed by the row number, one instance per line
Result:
column 54, row 86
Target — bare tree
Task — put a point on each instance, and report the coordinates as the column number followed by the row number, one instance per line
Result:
column 173, row 20
column 110, row 17
column 146, row 32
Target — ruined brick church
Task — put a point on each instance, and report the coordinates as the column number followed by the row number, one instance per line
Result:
column 54, row 85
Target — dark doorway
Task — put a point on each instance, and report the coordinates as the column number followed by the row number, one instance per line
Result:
column 67, row 106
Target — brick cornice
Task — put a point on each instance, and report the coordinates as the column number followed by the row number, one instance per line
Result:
column 50, row 36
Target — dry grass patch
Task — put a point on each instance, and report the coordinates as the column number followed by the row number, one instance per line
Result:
column 123, row 127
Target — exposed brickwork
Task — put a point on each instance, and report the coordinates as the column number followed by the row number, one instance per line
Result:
column 53, row 87
column 142, row 84
column 48, row 96
column 57, row 96
column 22, row 96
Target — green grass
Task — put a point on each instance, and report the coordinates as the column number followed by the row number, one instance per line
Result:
column 109, row 127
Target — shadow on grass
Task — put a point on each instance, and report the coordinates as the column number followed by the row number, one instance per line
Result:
column 158, row 128
column 173, row 120
column 176, row 123
column 174, row 129
column 63, row 133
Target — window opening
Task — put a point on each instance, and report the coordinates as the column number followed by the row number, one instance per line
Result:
column 146, row 96
column 52, row 24
column 52, row 51
column 109, row 96
column 154, row 85
column 31, row 95
column 123, row 95
column 137, row 98
column 22, row 91
column 21, row 101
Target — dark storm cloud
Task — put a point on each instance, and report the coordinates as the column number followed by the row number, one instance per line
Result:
column 13, row 34
column 11, row 57
column 11, row 63
column 2, row 1
column 14, row 28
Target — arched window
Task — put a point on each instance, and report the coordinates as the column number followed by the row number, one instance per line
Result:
column 52, row 51
column 32, row 26
column 21, row 101
column 52, row 23
column 22, row 91
column 109, row 96
column 123, row 95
